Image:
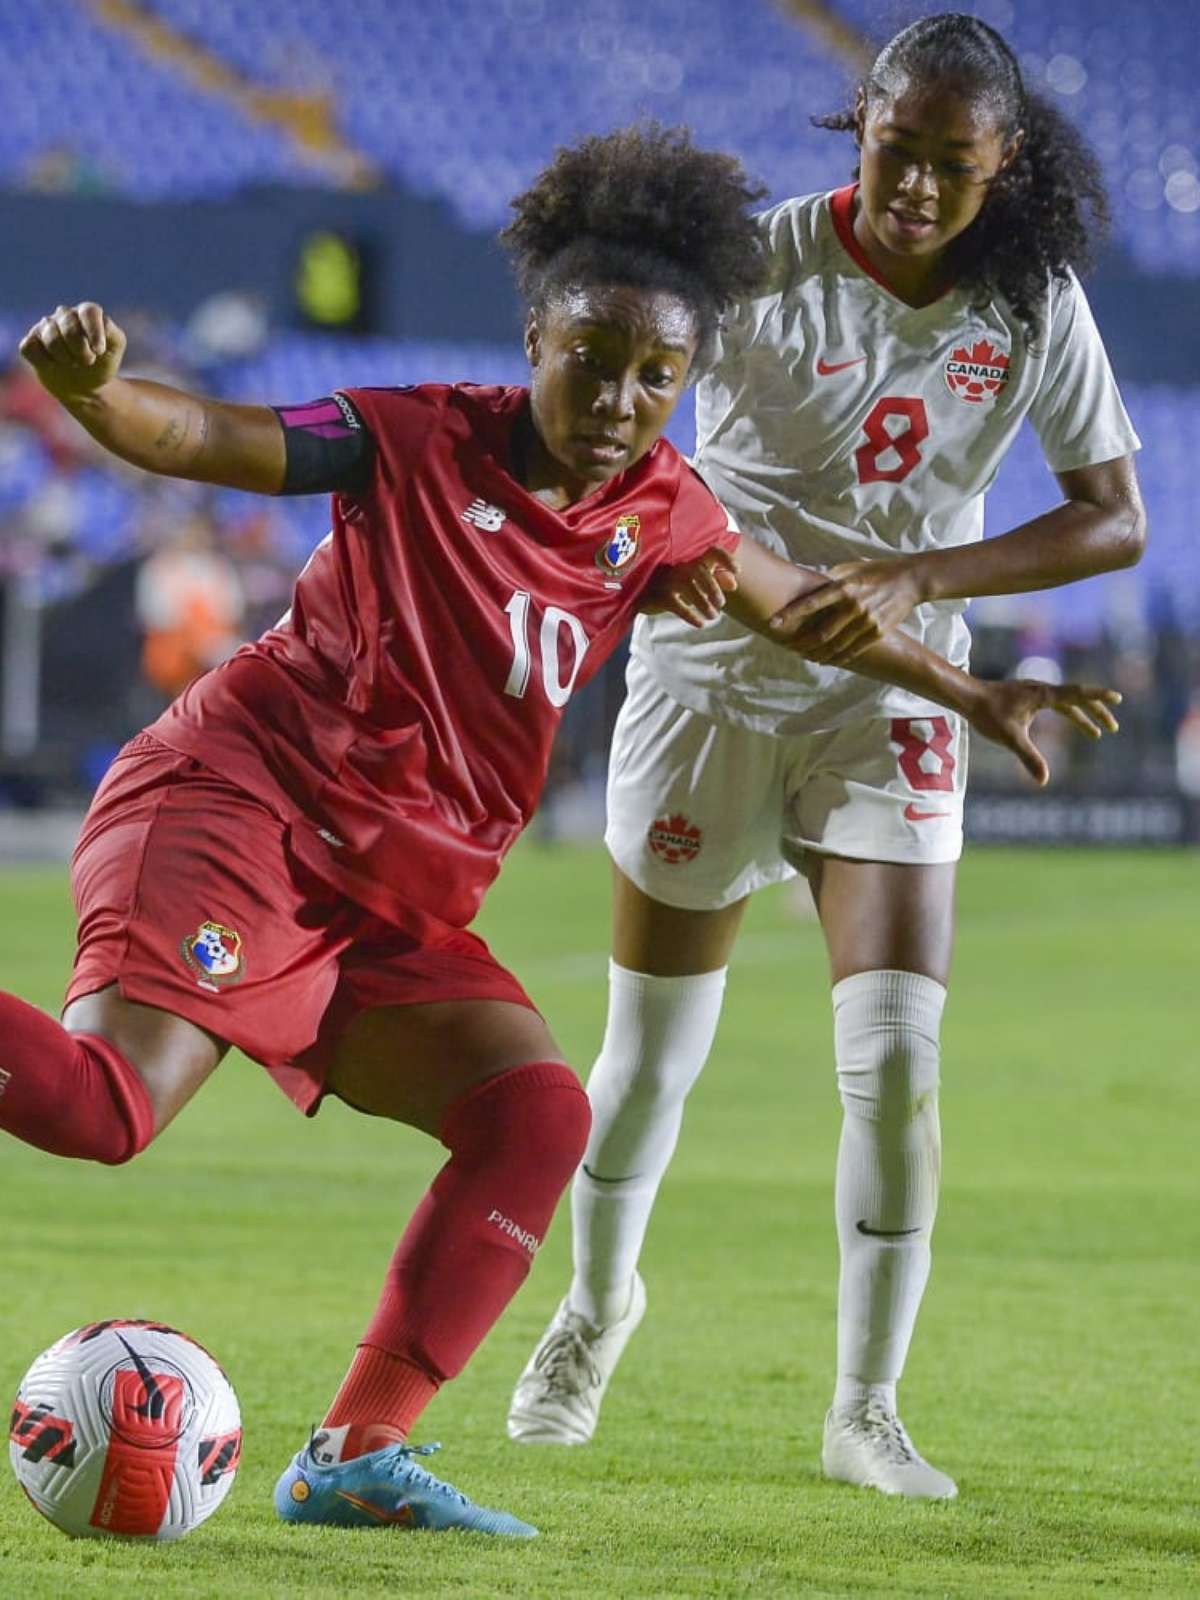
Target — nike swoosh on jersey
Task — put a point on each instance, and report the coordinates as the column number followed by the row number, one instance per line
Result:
column 913, row 815
column 824, row 368
column 885, row 1233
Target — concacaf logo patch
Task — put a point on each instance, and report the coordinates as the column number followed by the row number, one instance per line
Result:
column 977, row 373
column 620, row 550
column 214, row 953
column 675, row 839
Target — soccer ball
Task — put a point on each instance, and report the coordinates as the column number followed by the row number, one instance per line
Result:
column 127, row 1429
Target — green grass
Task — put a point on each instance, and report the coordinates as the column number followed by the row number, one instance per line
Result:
column 1055, row 1368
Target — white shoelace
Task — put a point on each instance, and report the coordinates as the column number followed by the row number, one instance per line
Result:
column 886, row 1430
column 565, row 1363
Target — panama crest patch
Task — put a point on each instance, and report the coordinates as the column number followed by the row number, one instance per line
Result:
column 976, row 372
column 214, row 954
column 619, row 550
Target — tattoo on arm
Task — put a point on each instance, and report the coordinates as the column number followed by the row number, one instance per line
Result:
column 185, row 436
column 173, row 435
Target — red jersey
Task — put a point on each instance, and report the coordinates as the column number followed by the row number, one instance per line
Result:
column 401, row 714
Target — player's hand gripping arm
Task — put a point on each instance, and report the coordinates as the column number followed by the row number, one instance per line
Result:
column 754, row 584
column 76, row 354
column 1100, row 526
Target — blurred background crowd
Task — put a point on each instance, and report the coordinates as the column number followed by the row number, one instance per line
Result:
column 280, row 197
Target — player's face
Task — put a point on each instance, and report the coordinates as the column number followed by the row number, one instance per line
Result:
column 927, row 158
column 608, row 365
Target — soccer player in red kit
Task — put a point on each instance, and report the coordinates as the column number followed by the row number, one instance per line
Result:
column 287, row 860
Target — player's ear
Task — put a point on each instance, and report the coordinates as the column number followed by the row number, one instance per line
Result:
column 1011, row 150
column 533, row 339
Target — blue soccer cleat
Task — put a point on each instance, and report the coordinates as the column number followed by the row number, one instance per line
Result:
column 383, row 1489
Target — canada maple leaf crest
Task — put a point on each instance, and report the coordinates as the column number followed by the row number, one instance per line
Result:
column 976, row 372
column 675, row 839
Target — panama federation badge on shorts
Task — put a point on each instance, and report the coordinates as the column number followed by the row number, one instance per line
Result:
column 618, row 551
column 214, row 953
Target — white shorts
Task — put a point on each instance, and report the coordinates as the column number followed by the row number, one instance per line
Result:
column 701, row 813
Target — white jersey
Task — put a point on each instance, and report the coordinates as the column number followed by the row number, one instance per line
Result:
column 840, row 423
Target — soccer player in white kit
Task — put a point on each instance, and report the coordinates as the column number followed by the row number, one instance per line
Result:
column 858, row 413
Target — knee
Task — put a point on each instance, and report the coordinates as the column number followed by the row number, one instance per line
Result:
column 538, row 1114
column 642, row 1081
column 887, row 1036
column 639, row 1090
column 113, row 1118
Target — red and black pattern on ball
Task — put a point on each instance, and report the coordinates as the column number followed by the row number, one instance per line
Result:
column 93, row 1330
column 41, row 1435
column 147, row 1419
column 218, row 1456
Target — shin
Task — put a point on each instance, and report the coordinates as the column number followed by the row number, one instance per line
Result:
column 514, row 1141
column 657, row 1040
column 886, row 1027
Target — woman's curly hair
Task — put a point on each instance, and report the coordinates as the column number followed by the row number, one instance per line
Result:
column 641, row 206
column 1045, row 212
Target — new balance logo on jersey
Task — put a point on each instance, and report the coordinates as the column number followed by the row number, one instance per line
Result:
column 488, row 518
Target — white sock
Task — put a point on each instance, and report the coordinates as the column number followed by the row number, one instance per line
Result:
column 886, row 1028
column 656, row 1042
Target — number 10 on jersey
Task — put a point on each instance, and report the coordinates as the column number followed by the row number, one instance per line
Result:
column 554, row 620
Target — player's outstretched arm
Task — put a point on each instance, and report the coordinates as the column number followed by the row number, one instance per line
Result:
column 77, row 352
column 1002, row 712
column 1101, row 525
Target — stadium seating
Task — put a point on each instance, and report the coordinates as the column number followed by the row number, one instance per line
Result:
column 78, row 92
column 465, row 101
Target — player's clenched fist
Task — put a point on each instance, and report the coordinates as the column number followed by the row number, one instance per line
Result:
column 75, row 350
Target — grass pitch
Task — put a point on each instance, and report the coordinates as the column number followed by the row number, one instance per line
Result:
column 1054, row 1371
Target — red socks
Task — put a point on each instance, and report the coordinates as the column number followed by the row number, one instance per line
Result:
column 514, row 1142
column 72, row 1094
column 380, row 1399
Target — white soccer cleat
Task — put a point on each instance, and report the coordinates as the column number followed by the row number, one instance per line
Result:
column 871, row 1448
column 557, row 1398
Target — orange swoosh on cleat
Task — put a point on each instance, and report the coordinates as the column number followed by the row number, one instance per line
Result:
column 403, row 1514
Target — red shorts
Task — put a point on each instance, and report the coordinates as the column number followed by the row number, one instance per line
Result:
column 190, row 899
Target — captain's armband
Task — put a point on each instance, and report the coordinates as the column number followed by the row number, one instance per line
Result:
column 329, row 450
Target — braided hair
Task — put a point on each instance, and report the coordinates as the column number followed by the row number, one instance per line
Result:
column 1045, row 211
column 642, row 206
